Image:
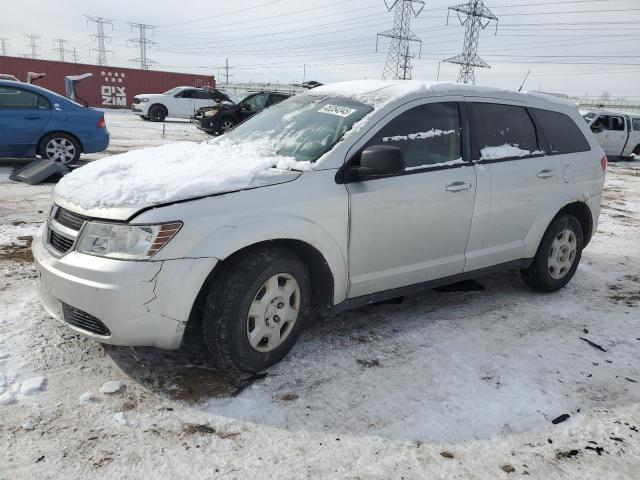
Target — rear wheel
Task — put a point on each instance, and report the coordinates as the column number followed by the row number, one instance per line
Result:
column 157, row 113
column 60, row 147
column 557, row 257
column 256, row 309
column 227, row 124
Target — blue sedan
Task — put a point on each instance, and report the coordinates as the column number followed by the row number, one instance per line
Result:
column 34, row 120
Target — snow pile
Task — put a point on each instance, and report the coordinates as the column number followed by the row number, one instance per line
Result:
column 457, row 161
column 120, row 418
column 419, row 135
column 32, row 385
column 506, row 151
column 7, row 398
column 172, row 172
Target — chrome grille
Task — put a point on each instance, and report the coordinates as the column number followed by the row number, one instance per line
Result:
column 83, row 320
column 69, row 219
column 59, row 242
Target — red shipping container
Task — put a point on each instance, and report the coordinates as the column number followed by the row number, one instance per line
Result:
column 110, row 87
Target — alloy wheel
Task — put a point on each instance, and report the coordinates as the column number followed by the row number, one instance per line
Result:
column 562, row 254
column 60, row 150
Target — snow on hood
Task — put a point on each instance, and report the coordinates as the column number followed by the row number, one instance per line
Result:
column 173, row 172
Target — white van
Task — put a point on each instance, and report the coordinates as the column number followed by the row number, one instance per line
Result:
column 348, row 194
column 617, row 133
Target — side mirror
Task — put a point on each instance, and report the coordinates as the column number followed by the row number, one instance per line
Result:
column 378, row 161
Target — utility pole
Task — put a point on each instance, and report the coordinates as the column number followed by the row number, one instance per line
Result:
column 75, row 55
column 143, row 43
column 476, row 17
column 100, row 37
column 60, row 48
column 226, row 68
column 3, row 46
column 32, row 44
column 304, row 71
column 398, row 63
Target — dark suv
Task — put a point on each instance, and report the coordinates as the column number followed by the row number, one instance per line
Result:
column 223, row 117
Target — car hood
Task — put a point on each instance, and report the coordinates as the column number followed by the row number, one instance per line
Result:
column 149, row 95
column 118, row 187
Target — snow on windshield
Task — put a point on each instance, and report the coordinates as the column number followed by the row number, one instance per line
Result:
column 172, row 172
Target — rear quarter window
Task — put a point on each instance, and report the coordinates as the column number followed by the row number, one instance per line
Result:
column 561, row 132
column 636, row 124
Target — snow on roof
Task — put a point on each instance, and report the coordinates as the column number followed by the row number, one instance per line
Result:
column 172, row 172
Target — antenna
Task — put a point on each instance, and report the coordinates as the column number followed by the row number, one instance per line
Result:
column 476, row 17
column 143, row 42
column 525, row 79
column 398, row 63
column 100, row 37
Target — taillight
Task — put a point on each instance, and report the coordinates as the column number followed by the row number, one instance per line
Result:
column 603, row 162
column 102, row 123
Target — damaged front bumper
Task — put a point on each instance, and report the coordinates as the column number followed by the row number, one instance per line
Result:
column 141, row 303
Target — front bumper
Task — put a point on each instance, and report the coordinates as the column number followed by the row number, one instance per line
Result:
column 209, row 125
column 141, row 303
column 140, row 108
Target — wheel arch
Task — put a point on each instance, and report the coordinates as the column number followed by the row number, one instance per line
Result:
column 582, row 212
column 322, row 279
column 42, row 137
column 157, row 104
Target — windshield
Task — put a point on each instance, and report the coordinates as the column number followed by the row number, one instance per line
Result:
column 304, row 127
column 171, row 91
column 588, row 116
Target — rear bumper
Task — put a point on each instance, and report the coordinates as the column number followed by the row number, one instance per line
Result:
column 141, row 303
column 96, row 142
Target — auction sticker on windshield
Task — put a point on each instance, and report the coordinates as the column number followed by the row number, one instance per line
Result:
column 338, row 110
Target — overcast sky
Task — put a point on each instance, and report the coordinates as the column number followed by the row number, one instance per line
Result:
column 575, row 47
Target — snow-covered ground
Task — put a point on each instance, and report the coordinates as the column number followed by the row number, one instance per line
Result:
column 444, row 385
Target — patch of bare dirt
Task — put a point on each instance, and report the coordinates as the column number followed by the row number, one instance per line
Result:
column 18, row 252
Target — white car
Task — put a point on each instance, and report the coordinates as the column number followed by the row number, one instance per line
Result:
column 178, row 102
column 345, row 195
column 618, row 133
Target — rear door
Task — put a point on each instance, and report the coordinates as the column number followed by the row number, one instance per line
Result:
column 507, row 152
column 24, row 115
column 412, row 228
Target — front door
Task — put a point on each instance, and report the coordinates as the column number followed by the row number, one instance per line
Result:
column 611, row 133
column 412, row 228
column 183, row 104
column 252, row 105
column 23, row 116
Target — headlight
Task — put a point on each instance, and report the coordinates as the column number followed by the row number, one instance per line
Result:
column 143, row 100
column 210, row 113
column 125, row 242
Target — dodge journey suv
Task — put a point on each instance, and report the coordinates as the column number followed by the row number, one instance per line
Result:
column 345, row 195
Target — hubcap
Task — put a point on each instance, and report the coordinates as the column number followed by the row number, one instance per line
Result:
column 226, row 126
column 60, row 150
column 562, row 254
column 273, row 312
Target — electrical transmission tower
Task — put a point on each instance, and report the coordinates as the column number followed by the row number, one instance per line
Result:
column 3, row 46
column 398, row 64
column 144, row 43
column 100, row 37
column 32, row 44
column 476, row 17
column 60, row 48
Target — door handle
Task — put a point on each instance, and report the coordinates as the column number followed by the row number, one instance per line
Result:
column 458, row 186
column 545, row 173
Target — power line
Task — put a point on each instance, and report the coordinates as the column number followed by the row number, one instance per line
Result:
column 398, row 64
column 100, row 37
column 33, row 45
column 143, row 43
column 477, row 17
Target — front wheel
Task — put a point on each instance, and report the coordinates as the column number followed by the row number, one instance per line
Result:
column 60, row 147
column 557, row 257
column 256, row 309
column 157, row 113
column 226, row 124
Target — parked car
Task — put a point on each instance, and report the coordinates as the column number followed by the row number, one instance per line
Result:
column 311, row 84
column 381, row 189
column 34, row 120
column 617, row 133
column 226, row 115
column 178, row 102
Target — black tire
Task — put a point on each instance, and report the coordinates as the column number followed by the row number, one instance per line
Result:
column 60, row 147
column 144, row 117
column 225, row 313
column 226, row 124
column 538, row 276
column 157, row 113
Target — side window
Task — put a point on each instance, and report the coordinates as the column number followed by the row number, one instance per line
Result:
column 184, row 94
column 561, row 132
column 201, row 95
column 257, row 102
column 275, row 98
column 16, row 98
column 616, row 123
column 636, row 124
column 43, row 103
column 428, row 135
column 503, row 131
